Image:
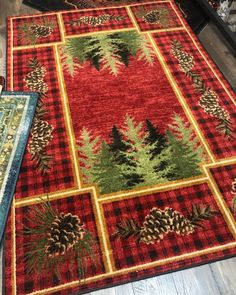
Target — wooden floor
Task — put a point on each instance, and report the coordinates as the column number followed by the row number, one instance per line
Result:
column 211, row 279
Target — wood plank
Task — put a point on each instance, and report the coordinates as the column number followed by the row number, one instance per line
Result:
column 220, row 51
column 196, row 281
column 224, row 273
column 161, row 285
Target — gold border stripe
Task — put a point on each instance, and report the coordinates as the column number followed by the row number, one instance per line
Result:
column 11, row 57
column 68, row 117
column 160, row 188
column 99, row 32
column 132, row 18
column 223, row 162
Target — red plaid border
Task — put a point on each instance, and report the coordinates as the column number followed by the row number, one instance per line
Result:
column 171, row 20
column 128, row 253
column 61, row 175
column 220, row 146
column 71, row 30
column 55, row 35
column 224, row 176
column 80, row 205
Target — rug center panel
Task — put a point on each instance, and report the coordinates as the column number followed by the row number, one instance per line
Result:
column 127, row 120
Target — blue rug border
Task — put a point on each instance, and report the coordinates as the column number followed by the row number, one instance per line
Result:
column 16, row 163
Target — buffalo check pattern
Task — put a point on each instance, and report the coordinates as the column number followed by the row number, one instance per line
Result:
column 120, row 260
column 57, row 180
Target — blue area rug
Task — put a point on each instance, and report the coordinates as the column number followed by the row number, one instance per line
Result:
column 16, row 114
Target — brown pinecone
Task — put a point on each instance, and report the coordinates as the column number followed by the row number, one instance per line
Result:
column 41, row 30
column 34, row 80
column 41, row 133
column 178, row 223
column 152, row 17
column 186, row 61
column 210, row 102
column 156, row 224
column 66, row 230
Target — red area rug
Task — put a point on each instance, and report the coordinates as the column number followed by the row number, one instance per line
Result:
column 130, row 166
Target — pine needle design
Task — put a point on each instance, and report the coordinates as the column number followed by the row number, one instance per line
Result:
column 209, row 100
column 95, row 21
column 57, row 238
column 160, row 16
column 139, row 155
column 106, row 51
column 158, row 223
column 41, row 130
column 234, row 195
column 31, row 32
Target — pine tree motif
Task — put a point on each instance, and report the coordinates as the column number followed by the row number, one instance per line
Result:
column 155, row 137
column 65, row 231
column 41, row 130
column 95, row 21
column 187, row 153
column 158, row 223
column 88, row 147
column 209, row 100
column 106, row 51
column 140, row 154
column 118, row 147
column 106, row 173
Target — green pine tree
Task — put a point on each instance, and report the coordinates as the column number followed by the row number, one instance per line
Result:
column 88, row 150
column 118, row 146
column 106, row 173
column 187, row 153
column 140, row 153
column 155, row 137
column 106, row 51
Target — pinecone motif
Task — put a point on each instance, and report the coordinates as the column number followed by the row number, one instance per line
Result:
column 66, row 230
column 41, row 30
column 186, row 61
column 152, row 17
column 96, row 20
column 178, row 223
column 35, row 80
column 210, row 102
column 156, row 224
column 41, row 133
